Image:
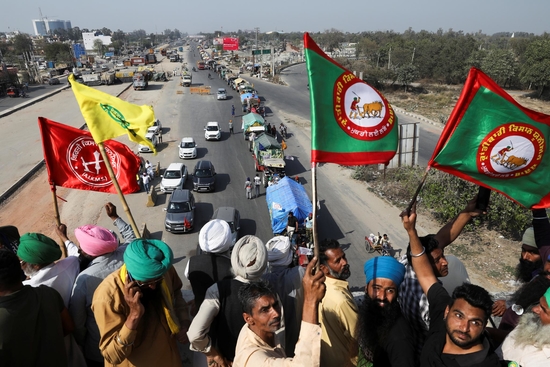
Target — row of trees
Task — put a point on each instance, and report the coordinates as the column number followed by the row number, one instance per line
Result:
column 512, row 59
column 56, row 47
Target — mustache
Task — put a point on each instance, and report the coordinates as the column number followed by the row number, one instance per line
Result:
column 276, row 320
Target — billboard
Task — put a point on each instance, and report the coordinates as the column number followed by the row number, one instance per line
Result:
column 218, row 41
column 230, row 44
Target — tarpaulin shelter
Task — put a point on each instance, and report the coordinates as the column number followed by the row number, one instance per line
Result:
column 284, row 197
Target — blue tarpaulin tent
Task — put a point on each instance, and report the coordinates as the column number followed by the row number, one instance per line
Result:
column 287, row 196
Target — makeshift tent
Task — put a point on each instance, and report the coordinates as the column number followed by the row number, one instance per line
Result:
column 252, row 119
column 284, row 197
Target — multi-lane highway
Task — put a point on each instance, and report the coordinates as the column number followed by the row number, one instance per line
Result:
column 348, row 211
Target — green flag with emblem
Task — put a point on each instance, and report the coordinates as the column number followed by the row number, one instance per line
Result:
column 351, row 122
column 493, row 141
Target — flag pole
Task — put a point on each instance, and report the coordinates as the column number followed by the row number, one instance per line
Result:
column 314, row 195
column 418, row 189
column 118, row 190
column 55, row 206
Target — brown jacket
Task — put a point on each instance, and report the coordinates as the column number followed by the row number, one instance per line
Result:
column 153, row 344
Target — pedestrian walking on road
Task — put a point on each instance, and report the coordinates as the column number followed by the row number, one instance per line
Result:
column 232, row 110
column 149, row 169
column 146, row 179
column 248, row 188
column 257, row 183
column 274, row 131
column 231, row 126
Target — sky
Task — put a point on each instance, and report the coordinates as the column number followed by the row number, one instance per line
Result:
column 469, row 16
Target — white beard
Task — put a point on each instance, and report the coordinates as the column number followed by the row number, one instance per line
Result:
column 531, row 331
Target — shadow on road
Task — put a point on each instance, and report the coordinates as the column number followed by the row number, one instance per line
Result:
column 328, row 228
column 248, row 227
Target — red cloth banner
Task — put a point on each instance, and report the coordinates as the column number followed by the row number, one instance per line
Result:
column 73, row 160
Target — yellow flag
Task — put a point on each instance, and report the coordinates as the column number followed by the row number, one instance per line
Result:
column 108, row 117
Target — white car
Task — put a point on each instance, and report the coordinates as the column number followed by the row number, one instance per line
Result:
column 221, row 94
column 153, row 139
column 212, row 131
column 119, row 64
column 188, row 148
column 174, row 177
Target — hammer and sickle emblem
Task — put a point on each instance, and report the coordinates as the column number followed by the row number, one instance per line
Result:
column 118, row 117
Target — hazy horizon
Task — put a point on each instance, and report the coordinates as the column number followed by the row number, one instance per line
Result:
column 469, row 16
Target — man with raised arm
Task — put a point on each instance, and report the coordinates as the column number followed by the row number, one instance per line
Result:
column 258, row 344
column 455, row 337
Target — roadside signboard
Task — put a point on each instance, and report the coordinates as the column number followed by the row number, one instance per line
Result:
column 230, row 44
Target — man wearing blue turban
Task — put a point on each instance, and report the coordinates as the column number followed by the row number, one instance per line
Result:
column 385, row 337
column 140, row 310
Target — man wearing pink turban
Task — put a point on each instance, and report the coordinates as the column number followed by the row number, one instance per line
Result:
column 99, row 248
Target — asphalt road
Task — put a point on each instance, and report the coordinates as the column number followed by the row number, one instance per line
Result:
column 34, row 92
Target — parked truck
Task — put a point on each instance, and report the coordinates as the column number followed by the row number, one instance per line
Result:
column 140, row 81
column 174, row 57
column 268, row 157
column 108, row 78
column 252, row 123
column 91, row 79
column 138, row 61
column 186, row 80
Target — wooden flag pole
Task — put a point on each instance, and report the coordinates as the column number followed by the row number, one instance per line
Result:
column 55, row 206
column 418, row 189
column 118, row 190
column 314, row 194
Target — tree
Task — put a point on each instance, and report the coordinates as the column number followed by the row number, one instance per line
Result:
column 118, row 35
column 21, row 43
column 58, row 52
column 500, row 65
column 106, row 31
column 536, row 67
column 406, row 74
column 98, row 47
column 331, row 39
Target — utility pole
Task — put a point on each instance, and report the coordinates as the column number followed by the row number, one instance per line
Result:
column 412, row 60
column 389, row 58
column 253, row 55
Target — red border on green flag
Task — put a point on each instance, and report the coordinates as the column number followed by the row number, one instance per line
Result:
column 493, row 141
column 352, row 123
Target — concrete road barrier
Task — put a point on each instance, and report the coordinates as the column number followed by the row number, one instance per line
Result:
column 151, row 197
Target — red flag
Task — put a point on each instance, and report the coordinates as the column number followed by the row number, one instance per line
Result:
column 73, row 160
column 186, row 223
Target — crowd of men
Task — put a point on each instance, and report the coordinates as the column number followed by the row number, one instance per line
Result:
column 101, row 301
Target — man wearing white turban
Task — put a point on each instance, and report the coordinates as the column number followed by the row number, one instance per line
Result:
column 214, row 263
column 215, row 328
column 287, row 282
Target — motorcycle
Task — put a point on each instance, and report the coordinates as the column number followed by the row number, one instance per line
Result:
column 282, row 131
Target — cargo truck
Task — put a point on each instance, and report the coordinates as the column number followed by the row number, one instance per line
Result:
column 91, row 79
column 186, row 80
column 252, row 123
column 140, row 81
column 268, row 157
